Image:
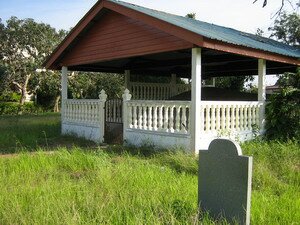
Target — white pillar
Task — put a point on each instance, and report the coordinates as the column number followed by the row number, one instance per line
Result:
column 64, row 83
column 126, row 113
column 262, row 90
column 101, row 111
column 195, row 123
column 64, row 95
column 127, row 79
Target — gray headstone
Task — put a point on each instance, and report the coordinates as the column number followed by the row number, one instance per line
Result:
column 225, row 181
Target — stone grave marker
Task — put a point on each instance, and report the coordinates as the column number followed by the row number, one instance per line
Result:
column 225, row 181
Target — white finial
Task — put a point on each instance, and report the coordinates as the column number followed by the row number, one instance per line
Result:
column 126, row 96
column 102, row 95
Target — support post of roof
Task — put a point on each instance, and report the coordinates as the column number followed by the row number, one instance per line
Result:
column 195, row 122
column 64, row 91
column 64, row 83
column 262, row 91
column 127, row 79
column 173, row 85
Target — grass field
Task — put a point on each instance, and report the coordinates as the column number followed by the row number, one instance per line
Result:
column 71, row 181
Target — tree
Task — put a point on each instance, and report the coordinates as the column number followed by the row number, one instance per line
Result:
column 287, row 29
column 191, row 15
column 283, row 110
column 89, row 85
column 294, row 4
column 24, row 45
column 233, row 83
column 49, row 89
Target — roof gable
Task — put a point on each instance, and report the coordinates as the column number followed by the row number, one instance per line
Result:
column 196, row 32
column 116, row 36
column 219, row 33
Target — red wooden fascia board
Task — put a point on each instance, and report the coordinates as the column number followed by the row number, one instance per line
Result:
column 255, row 53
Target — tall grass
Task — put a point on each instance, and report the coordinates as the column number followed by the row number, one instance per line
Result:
column 276, row 182
column 77, row 187
column 33, row 131
column 120, row 185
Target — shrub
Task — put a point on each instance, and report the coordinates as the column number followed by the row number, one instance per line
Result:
column 283, row 110
column 10, row 97
column 13, row 108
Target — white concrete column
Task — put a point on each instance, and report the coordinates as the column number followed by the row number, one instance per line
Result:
column 196, row 123
column 127, row 79
column 126, row 97
column 262, row 91
column 261, row 80
column 101, row 111
column 64, row 83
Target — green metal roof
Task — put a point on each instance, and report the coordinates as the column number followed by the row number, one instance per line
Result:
column 219, row 33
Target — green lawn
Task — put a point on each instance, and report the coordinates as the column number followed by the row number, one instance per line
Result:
column 78, row 182
column 18, row 133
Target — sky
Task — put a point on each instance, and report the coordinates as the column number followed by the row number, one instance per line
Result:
column 64, row 14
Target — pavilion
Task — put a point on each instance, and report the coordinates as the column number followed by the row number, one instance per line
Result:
column 118, row 37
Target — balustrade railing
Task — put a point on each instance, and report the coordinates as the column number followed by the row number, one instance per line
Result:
column 82, row 111
column 156, row 91
column 174, row 116
column 229, row 116
column 159, row 116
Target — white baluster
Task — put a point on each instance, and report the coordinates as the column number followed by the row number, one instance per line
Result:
column 222, row 117
column 177, row 119
column 232, row 119
column 129, row 111
column 150, row 117
column 155, row 118
column 134, row 117
column 218, row 122
column 140, row 117
column 250, row 117
column 242, row 117
column 171, row 120
column 246, row 117
column 207, row 118
column 144, row 117
column 237, row 118
column 213, row 118
column 228, row 109
column 183, row 120
column 166, row 119
column 160, row 118
column 188, row 120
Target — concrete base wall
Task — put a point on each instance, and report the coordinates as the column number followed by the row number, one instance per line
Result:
column 178, row 141
column 157, row 139
column 89, row 132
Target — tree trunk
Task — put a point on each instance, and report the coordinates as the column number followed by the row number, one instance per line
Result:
column 24, row 90
column 56, row 104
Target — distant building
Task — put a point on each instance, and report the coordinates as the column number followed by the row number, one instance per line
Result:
column 273, row 89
